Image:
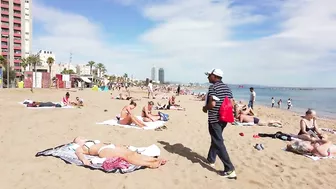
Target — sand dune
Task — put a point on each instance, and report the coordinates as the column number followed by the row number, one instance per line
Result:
column 185, row 143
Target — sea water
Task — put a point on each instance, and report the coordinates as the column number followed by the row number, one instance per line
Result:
column 321, row 100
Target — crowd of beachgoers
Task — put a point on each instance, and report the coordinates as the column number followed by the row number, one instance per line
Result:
column 159, row 107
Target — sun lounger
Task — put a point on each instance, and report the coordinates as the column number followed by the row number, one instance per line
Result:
column 67, row 154
column 150, row 125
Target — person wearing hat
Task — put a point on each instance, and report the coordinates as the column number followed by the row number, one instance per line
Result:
column 216, row 95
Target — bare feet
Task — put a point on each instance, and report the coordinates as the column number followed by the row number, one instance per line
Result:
column 158, row 163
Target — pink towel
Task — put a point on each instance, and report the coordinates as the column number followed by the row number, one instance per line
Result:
column 115, row 163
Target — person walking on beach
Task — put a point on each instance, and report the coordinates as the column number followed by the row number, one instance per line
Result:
column 178, row 90
column 279, row 103
column 150, row 89
column 252, row 98
column 289, row 104
column 273, row 102
column 216, row 95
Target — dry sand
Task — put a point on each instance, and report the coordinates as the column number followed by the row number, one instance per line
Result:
column 185, row 144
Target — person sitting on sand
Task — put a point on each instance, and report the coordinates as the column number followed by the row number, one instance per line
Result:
column 107, row 150
column 252, row 119
column 320, row 148
column 172, row 105
column 309, row 129
column 66, row 100
column 127, row 118
column 147, row 115
column 79, row 102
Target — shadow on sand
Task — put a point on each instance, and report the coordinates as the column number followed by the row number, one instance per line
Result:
column 186, row 152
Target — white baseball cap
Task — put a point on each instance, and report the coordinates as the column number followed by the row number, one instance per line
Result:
column 216, row 72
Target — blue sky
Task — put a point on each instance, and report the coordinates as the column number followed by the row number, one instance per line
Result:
column 268, row 42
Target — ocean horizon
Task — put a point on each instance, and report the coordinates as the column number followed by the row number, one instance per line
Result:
column 321, row 100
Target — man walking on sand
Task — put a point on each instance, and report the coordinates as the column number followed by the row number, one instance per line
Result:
column 252, row 98
column 150, row 89
column 216, row 95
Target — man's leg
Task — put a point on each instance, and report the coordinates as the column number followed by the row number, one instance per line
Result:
column 221, row 149
column 212, row 151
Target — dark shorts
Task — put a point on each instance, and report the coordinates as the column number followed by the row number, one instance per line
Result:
column 255, row 120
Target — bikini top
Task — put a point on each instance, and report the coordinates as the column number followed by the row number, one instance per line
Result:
column 88, row 144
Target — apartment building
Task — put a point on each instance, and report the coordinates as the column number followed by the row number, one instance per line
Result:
column 16, row 31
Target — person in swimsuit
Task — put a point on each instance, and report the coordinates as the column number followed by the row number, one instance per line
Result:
column 172, row 105
column 66, row 100
column 309, row 129
column 252, row 119
column 126, row 117
column 320, row 148
column 105, row 150
column 147, row 115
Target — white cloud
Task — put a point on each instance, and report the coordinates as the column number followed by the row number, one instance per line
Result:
column 191, row 36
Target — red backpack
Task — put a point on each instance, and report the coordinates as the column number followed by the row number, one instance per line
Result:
column 226, row 112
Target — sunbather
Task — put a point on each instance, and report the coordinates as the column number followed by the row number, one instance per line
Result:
column 147, row 115
column 126, row 97
column 172, row 104
column 308, row 127
column 127, row 118
column 320, row 147
column 43, row 104
column 106, row 150
column 252, row 119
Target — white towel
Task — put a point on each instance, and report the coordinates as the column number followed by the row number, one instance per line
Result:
column 152, row 151
column 315, row 158
column 149, row 125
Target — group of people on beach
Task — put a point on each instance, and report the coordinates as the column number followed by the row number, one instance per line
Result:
column 310, row 139
column 289, row 103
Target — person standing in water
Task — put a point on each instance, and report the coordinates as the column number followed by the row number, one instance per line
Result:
column 279, row 103
column 289, row 104
column 273, row 102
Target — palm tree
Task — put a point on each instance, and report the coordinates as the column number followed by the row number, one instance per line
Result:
column 101, row 68
column 91, row 64
column 50, row 62
column 33, row 60
column 24, row 63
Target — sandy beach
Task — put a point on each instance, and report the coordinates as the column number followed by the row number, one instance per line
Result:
column 185, row 144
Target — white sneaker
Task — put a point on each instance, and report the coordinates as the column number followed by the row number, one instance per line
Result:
column 230, row 175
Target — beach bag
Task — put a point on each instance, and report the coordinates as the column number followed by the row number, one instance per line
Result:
column 226, row 112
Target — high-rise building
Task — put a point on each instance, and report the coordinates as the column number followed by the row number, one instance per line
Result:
column 153, row 74
column 161, row 75
column 16, row 31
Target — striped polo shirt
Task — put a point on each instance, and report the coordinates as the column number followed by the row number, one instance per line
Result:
column 220, row 90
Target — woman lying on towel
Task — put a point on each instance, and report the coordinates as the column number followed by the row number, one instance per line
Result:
column 127, row 118
column 105, row 150
column 147, row 115
column 125, row 97
column 43, row 104
column 172, row 105
column 308, row 127
column 252, row 119
column 320, row 148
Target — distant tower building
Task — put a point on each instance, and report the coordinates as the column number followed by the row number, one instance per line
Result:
column 161, row 75
column 153, row 74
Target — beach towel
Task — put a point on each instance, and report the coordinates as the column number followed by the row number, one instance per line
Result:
column 24, row 103
column 149, row 125
column 315, row 158
column 110, row 165
column 242, row 124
